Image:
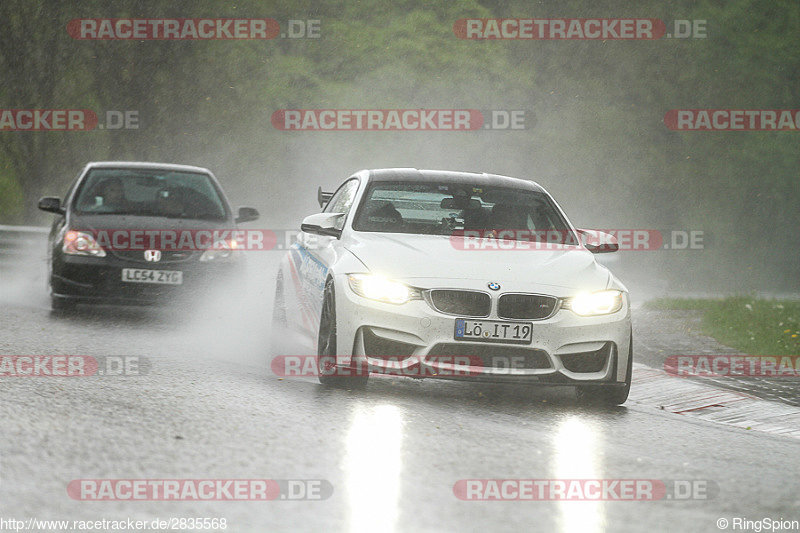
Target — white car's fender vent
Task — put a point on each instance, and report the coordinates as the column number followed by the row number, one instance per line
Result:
column 587, row 361
column 459, row 302
column 519, row 306
column 383, row 348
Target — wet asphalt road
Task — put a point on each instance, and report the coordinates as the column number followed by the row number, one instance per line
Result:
column 209, row 408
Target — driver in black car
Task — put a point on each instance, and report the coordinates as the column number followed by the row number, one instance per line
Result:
column 113, row 193
column 169, row 203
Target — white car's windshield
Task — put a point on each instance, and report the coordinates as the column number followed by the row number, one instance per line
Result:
column 445, row 209
column 147, row 192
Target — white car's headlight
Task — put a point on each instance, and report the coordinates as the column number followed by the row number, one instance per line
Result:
column 379, row 288
column 595, row 303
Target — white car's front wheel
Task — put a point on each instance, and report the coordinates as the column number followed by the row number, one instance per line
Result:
column 279, row 304
column 327, row 370
column 278, row 323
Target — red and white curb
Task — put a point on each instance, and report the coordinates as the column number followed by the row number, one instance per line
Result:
column 652, row 387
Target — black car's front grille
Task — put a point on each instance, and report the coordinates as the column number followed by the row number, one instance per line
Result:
column 461, row 303
column 587, row 361
column 173, row 256
column 526, row 306
column 509, row 358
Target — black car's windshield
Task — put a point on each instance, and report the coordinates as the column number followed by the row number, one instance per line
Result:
column 446, row 209
column 149, row 192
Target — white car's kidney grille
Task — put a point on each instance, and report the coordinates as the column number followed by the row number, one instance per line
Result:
column 526, row 306
column 461, row 303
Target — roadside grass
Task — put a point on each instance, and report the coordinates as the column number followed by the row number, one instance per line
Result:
column 752, row 325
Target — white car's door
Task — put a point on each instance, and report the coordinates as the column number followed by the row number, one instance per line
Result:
column 318, row 252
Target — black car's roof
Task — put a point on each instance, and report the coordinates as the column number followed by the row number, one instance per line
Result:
column 148, row 165
column 448, row 176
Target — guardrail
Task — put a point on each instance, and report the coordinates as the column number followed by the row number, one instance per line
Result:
column 20, row 244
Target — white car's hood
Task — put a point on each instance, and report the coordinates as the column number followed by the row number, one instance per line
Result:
column 407, row 257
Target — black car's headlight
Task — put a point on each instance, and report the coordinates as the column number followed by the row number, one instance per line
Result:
column 81, row 243
column 595, row 303
column 379, row 288
column 221, row 250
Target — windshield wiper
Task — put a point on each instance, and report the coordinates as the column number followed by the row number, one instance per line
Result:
column 193, row 216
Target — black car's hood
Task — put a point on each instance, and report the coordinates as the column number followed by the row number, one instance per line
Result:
column 133, row 222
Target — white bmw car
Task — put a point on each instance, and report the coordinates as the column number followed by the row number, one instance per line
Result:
column 454, row 275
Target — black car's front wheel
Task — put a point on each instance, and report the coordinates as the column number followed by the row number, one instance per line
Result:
column 327, row 370
column 59, row 303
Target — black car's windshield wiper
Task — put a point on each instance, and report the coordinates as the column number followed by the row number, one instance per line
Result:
column 192, row 216
column 110, row 213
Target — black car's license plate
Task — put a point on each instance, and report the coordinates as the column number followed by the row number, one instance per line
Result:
column 493, row 331
column 163, row 277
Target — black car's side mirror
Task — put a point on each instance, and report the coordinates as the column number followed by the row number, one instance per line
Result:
column 247, row 214
column 51, row 204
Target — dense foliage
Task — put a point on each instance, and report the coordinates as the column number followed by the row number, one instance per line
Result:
column 594, row 133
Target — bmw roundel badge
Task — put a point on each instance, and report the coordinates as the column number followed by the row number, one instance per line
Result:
column 494, row 285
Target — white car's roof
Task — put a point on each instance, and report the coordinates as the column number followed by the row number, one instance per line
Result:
column 146, row 164
column 450, row 176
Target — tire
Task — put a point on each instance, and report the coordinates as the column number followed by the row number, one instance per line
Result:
column 326, row 346
column 278, row 323
column 279, row 304
column 609, row 395
column 60, row 304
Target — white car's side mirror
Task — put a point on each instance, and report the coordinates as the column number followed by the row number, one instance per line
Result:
column 323, row 224
column 598, row 242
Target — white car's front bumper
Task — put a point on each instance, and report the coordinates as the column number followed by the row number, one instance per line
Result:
column 413, row 339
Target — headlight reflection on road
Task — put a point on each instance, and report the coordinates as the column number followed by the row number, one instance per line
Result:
column 372, row 465
column 575, row 449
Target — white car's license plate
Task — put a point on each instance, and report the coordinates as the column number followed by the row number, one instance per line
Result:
column 493, row 331
column 141, row 275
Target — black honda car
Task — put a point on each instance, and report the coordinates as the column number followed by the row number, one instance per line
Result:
column 141, row 233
